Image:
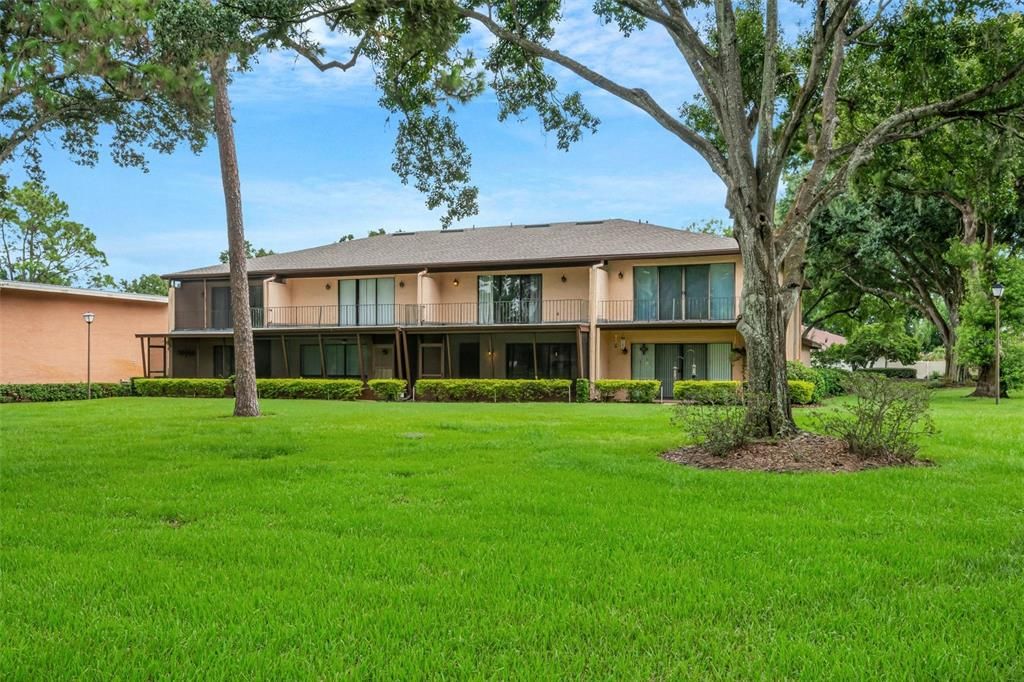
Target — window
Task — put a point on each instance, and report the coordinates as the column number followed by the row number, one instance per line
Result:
column 694, row 292
column 223, row 361
column 366, row 301
column 519, row 361
column 342, row 360
column 220, row 307
column 432, row 360
column 554, row 360
column 509, row 299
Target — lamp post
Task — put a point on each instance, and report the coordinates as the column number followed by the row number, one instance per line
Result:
column 997, row 293
column 88, row 317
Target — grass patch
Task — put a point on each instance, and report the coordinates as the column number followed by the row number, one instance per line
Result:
column 482, row 540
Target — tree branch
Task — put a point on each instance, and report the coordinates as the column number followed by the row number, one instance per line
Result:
column 636, row 96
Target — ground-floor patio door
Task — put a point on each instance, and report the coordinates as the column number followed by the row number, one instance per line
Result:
column 666, row 362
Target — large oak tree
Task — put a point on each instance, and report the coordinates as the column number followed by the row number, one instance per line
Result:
column 770, row 104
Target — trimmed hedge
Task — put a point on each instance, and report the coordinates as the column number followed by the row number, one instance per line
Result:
column 801, row 392
column 315, row 389
column 636, row 390
column 728, row 392
column 828, row 381
column 893, row 372
column 494, row 390
column 42, row 393
column 582, row 390
column 182, row 388
column 707, row 392
column 387, row 389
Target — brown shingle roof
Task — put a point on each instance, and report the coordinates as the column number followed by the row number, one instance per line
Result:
column 486, row 246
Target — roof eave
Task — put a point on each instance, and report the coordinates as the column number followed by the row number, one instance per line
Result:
column 457, row 266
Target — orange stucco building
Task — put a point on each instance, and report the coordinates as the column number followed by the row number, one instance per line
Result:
column 43, row 334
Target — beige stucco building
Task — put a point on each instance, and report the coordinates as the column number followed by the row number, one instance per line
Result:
column 43, row 336
column 597, row 299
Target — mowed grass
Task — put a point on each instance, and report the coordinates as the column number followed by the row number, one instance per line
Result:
column 158, row 538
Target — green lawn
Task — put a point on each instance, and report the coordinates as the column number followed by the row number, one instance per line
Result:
column 157, row 538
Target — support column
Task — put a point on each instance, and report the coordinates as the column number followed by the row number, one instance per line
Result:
column 284, row 351
column 323, row 358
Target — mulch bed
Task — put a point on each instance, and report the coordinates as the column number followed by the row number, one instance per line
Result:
column 806, row 452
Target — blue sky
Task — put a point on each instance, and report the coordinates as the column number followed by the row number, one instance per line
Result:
column 315, row 156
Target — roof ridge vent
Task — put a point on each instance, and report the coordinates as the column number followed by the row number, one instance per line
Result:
column 538, row 225
column 589, row 222
column 449, row 231
column 400, row 234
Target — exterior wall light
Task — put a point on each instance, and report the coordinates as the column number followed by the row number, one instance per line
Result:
column 455, row 282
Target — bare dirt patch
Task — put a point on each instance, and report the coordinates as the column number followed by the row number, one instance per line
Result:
column 806, row 452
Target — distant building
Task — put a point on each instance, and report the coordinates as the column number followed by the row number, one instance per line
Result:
column 602, row 299
column 43, row 335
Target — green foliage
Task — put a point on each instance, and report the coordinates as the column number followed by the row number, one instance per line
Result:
column 872, row 342
column 801, row 392
column 250, row 252
column 387, row 389
column 828, row 381
column 181, row 388
column 731, row 392
column 976, row 343
column 154, row 285
column 494, row 390
column 582, row 390
column 885, row 419
column 635, row 390
column 314, row 389
column 707, row 392
column 40, row 244
column 717, row 428
column 71, row 68
column 38, row 393
column 892, row 372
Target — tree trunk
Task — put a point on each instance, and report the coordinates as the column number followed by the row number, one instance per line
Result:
column 986, row 386
column 246, row 400
column 763, row 326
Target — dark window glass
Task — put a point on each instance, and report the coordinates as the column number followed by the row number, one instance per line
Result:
column 512, row 299
column 223, row 361
column 519, row 361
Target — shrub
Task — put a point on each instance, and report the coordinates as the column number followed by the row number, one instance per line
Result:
column 718, row 428
column 828, row 381
column 801, row 392
column 582, row 390
column 316, row 389
column 707, row 392
column 635, row 390
column 38, row 393
column 884, row 420
column 494, row 390
column 892, row 372
column 832, row 381
column 387, row 389
column 182, row 388
column 731, row 392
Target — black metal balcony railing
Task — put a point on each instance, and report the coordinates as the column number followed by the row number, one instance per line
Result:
column 697, row 308
column 569, row 311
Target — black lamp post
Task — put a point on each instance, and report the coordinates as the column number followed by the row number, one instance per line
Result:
column 997, row 293
column 88, row 317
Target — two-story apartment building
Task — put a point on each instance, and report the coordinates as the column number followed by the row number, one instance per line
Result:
column 597, row 299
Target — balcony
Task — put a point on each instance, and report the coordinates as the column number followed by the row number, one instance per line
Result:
column 497, row 313
column 685, row 309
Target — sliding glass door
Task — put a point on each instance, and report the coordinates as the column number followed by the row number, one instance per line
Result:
column 509, row 299
column 692, row 292
column 363, row 302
